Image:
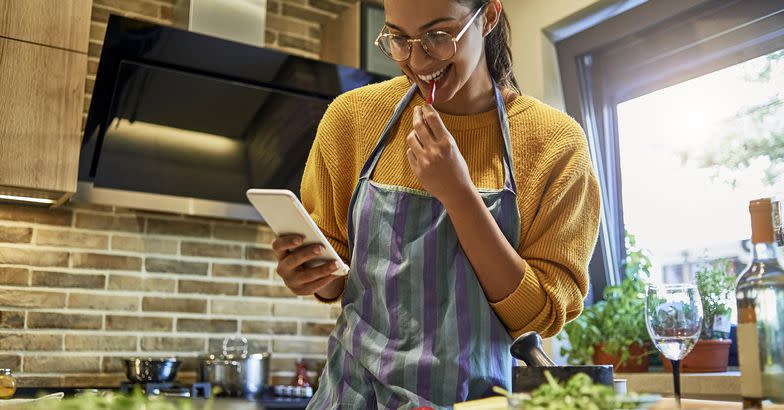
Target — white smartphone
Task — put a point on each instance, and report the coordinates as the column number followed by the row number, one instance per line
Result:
column 284, row 213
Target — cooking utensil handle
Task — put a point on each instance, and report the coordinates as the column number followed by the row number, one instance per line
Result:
column 528, row 348
column 172, row 393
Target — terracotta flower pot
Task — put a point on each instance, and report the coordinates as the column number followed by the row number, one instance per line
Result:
column 637, row 362
column 707, row 356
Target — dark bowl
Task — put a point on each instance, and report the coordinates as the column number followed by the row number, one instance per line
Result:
column 151, row 370
column 526, row 379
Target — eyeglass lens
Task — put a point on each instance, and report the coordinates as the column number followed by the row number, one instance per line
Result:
column 437, row 44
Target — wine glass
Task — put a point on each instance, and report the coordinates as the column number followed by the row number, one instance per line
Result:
column 673, row 316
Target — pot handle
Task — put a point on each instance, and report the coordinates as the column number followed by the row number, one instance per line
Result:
column 235, row 344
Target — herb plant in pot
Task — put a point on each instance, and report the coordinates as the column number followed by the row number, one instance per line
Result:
column 716, row 283
column 612, row 331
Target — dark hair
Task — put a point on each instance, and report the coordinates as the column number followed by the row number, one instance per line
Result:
column 497, row 48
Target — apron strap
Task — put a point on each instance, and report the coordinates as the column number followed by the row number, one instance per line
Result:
column 503, row 118
column 509, row 180
column 372, row 161
column 370, row 164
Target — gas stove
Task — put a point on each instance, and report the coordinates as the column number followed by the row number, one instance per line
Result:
column 195, row 390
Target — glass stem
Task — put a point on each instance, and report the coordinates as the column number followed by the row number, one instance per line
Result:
column 676, row 378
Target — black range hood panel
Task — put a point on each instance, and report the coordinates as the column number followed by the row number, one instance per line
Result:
column 186, row 115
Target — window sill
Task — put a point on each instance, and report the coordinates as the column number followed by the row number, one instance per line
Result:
column 715, row 386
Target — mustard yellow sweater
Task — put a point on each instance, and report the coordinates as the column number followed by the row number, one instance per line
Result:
column 558, row 193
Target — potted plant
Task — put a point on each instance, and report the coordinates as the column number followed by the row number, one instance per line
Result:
column 716, row 283
column 612, row 331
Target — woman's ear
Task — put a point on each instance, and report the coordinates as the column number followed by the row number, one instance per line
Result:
column 492, row 14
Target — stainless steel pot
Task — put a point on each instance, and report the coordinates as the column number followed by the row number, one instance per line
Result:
column 234, row 371
column 151, row 370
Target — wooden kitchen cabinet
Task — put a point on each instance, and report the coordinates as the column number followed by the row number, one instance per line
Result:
column 340, row 42
column 55, row 23
column 43, row 65
column 41, row 92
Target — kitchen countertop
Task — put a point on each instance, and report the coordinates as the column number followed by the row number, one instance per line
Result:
column 240, row 404
column 218, row 403
column 716, row 386
column 667, row 404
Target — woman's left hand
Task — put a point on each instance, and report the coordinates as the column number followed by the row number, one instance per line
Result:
column 435, row 159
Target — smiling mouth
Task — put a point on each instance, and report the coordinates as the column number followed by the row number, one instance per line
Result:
column 433, row 76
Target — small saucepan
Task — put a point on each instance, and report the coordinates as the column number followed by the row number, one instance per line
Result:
column 236, row 372
column 151, row 370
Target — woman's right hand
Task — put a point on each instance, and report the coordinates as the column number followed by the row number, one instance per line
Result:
column 292, row 256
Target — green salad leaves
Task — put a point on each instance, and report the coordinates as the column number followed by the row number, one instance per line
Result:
column 137, row 400
column 578, row 393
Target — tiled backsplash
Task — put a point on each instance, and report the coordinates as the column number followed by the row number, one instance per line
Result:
column 83, row 286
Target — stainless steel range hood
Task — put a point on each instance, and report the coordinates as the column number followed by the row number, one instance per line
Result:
column 238, row 20
column 87, row 192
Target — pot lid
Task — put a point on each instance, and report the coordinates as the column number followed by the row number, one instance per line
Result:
column 235, row 347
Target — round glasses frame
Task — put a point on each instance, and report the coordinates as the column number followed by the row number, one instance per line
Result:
column 454, row 39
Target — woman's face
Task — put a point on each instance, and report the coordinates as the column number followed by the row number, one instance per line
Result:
column 414, row 18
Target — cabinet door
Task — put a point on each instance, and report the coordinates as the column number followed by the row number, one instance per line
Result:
column 41, row 91
column 56, row 23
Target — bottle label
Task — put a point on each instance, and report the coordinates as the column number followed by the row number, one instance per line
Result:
column 749, row 360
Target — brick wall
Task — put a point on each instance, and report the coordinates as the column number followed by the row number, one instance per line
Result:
column 83, row 286
column 293, row 26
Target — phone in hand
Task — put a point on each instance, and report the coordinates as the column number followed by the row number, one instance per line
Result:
column 285, row 215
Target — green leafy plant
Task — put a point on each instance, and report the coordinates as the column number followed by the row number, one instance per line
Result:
column 579, row 392
column 617, row 321
column 136, row 400
column 716, row 285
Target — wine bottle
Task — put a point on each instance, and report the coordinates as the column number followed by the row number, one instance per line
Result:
column 760, row 301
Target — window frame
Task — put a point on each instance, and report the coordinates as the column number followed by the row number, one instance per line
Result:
column 605, row 65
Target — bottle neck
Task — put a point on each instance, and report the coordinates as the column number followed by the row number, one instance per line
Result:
column 764, row 251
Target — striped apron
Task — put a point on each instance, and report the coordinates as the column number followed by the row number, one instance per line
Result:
column 416, row 328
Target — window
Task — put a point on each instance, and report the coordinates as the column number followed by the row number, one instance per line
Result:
column 373, row 59
column 693, row 154
column 659, row 90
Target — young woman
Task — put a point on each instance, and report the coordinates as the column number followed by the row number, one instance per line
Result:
column 466, row 222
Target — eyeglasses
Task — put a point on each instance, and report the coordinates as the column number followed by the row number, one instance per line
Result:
column 437, row 44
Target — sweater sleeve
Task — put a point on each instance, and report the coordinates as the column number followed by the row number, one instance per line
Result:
column 559, row 243
column 328, row 179
column 317, row 197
